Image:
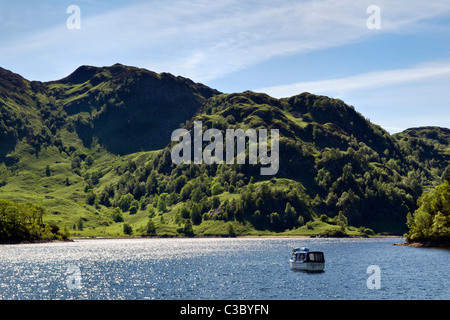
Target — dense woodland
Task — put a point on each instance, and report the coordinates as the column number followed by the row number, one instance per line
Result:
column 99, row 140
column 430, row 223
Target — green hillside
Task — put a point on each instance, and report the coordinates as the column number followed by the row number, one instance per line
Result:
column 94, row 150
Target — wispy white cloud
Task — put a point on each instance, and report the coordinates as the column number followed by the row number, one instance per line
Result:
column 372, row 80
column 206, row 40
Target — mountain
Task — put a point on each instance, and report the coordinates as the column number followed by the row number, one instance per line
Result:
column 340, row 163
column 94, row 148
column 128, row 109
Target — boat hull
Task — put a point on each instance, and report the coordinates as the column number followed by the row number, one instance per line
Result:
column 308, row 266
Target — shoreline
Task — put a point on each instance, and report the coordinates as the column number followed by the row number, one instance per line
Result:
column 199, row 237
column 12, row 242
column 233, row 237
column 429, row 244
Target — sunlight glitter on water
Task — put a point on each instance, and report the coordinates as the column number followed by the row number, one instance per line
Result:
column 219, row 268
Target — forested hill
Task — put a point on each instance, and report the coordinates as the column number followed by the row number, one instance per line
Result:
column 94, row 149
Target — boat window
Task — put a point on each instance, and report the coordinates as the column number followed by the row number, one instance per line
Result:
column 299, row 256
column 315, row 256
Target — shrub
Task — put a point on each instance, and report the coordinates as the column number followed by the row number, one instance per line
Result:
column 117, row 215
column 47, row 171
column 90, row 197
column 231, row 231
column 151, row 229
column 133, row 210
column 89, row 161
column 125, row 202
column 187, row 230
column 80, row 224
column 216, row 188
column 127, row 229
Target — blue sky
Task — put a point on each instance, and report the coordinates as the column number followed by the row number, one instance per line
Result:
column 398, row 76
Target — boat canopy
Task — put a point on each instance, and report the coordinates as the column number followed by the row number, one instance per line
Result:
column 304, row 249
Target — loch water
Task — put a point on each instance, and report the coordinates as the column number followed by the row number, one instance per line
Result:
column 221, row 269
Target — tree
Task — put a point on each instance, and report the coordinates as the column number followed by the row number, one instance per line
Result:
column 143, row 203
column 23, row 221
column 290, row 215
column 76, row 162
column 441, row 226
column 134, row 203
column 127, row 229
column 184, row 212
column 162, row 205
column 446, row 175
column 196, row 194
column 133, row 210
column 188, row 230
column 47, row 171
column 341, row 219
column 231, row 232
column 196, row 214
column 80, row 224
column 431, row 221
column 151, row 212
column 231, row 209
column 117, row 215
column 275, row 221
column 216, row 188
column 89, row 161
column 215, row 202
column 125, row 202
column 151, row 229
column 301, row 221
column 103, row 199
column 317, row 201
column 332, row 200
column 90, row 198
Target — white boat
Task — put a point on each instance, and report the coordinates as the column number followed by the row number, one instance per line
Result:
column 303, row 259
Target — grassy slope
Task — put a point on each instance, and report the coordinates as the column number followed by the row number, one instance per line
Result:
column 66, row 204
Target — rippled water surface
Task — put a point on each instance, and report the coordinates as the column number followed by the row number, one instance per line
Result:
column 242, row 268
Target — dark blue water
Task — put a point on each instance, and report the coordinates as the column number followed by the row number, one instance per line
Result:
column 242, row 268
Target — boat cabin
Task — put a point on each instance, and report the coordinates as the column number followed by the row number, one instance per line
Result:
column 304, row 255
